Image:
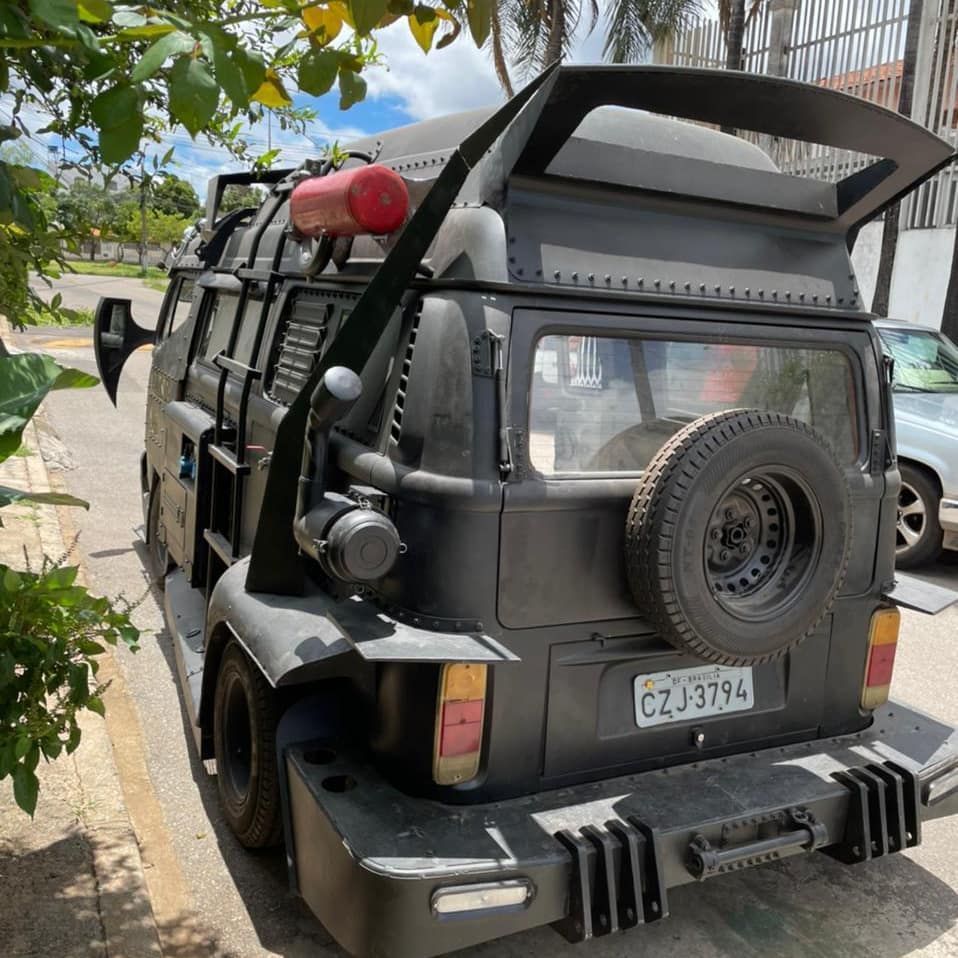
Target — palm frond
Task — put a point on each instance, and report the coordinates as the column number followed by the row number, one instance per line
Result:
column 634, row 25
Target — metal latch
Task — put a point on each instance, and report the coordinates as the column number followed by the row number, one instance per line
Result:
column 776, row 835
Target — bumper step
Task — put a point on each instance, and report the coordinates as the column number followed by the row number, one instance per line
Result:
column 617, row 882
column 884, row 813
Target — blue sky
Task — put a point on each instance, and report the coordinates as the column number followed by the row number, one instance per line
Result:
column 409, row 86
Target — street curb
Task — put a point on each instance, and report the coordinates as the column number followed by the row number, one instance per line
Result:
column 125, row 906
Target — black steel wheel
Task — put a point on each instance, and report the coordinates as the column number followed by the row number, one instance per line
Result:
column 918, row 533
column 245, row 715
column 159, row 558
column 739, row 535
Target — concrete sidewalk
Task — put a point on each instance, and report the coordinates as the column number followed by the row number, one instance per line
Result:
column 71, row 880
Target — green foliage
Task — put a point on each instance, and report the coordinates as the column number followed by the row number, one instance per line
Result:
column 87, row 210
column 63, row 316
column 51, row 632
column 163, row 229
column 169, row 194
column 113, row 76
column 238, row 197
column 24, row 381
column 51, row 629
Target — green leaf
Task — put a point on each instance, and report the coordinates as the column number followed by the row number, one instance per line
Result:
column 71, row 378
column 146, row 32
column 352, row 89
column 170, row 45
column 56, row 13
column 118, row 115
column 26, row 788
column 95, row 704
column 480, row 19
column 238, row 72
column 94, row 11
column 317, row 71
column 366, row 14
column 62, row 577
column 8, row 496
column 128, row 18
column 74, row 739
column 24, row 380
column 194, row 94
column 12, row 580
column 22, row 747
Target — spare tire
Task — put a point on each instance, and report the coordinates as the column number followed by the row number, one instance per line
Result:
column 738, row 536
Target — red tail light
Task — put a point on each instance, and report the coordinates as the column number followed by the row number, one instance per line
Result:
column 371, row 199
column 459, row 720
column 882, row 645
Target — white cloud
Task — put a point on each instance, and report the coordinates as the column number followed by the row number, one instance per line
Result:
column 459, row 77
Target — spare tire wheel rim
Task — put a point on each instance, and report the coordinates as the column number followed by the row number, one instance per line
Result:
column 763, row 543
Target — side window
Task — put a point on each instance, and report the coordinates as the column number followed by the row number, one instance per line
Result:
column 179, row 309
column 246, row 337
column 219, row 325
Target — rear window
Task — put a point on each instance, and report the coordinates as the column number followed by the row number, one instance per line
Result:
column 603, row 404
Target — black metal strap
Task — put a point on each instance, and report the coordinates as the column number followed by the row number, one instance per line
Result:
column 274, row 563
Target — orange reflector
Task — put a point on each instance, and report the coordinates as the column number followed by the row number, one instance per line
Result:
column 882, row 645
column 459, row 719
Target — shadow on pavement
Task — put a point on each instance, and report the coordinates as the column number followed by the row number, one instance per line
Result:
column 944, row 572
column 284, row 925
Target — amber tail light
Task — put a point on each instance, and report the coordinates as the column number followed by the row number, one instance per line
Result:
column 460, row 710
column 882, row 645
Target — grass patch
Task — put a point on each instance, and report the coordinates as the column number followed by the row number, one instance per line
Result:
column 158, row 284
column 116, row 269
column 69, row 317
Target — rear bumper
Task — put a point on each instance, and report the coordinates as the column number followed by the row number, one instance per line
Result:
column 599, row 857
column 948, row 515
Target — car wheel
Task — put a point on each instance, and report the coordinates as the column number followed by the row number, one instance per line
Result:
column 917, row 532
column 245, row 715
column 738, row 536
column 159, row 558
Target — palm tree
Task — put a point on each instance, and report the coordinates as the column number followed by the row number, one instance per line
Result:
column 528, row 35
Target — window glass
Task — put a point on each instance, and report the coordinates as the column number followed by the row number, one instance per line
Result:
column 219, row 325
column 602, row 404
column 925, row 361
column 243, row 351
column 180, row 307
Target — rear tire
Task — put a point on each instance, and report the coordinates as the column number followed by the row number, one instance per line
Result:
column 245, row 715
column 918, row 534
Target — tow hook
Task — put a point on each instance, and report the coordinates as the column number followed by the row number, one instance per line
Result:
column 775, row 835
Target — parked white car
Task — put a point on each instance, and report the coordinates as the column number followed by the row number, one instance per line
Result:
column 926, row 424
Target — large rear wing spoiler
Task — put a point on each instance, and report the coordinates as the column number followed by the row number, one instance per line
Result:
column 527, row 133
column 905, row 153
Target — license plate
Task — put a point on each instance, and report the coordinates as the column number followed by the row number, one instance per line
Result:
column 685, row 694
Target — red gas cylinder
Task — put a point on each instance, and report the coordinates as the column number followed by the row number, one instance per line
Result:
column 370, row 199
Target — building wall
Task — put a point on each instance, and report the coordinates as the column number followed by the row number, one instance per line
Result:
column 920, row 279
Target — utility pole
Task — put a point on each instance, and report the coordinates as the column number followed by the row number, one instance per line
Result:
column 143, row 259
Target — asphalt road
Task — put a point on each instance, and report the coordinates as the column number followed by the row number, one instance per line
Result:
column 809, row 907
column 84, row 292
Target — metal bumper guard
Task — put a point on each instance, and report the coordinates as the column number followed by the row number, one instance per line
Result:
column 600, row 857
